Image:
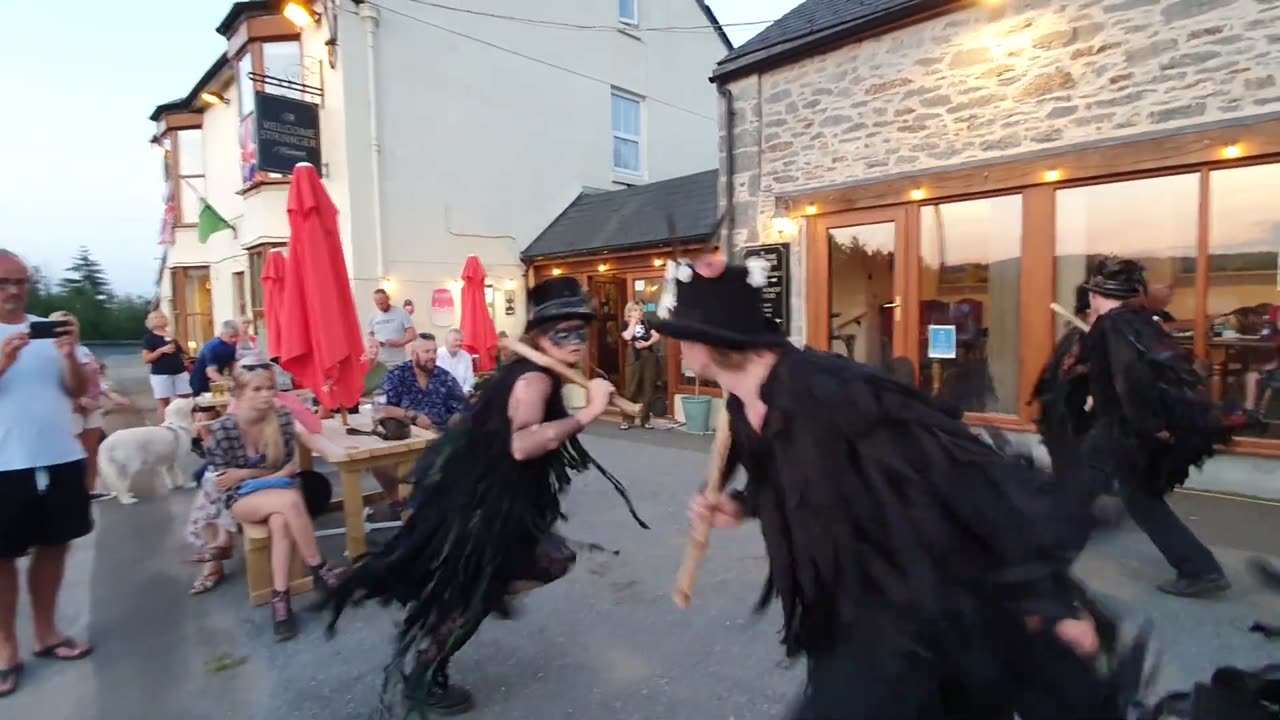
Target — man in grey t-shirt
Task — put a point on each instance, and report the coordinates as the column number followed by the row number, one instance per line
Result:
column 393, row 329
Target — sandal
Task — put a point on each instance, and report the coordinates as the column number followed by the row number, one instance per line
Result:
column 213, row 553
column 80, row 651
column 207, row 582
column 10, row 675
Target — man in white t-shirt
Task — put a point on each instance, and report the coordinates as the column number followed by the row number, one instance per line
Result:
column 458, row 361
column 393, row 329
column 44, row 502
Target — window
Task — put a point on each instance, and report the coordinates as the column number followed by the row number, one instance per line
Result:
column 258, row 261
column 627, row 12
column 283, row 61
column 626, row 133
column 970, row 271
column 1153, row 221
column 190, row 180
column 1244, row 290
column 237, row 295
column 244, row 86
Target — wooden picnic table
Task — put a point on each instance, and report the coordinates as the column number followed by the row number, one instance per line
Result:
column 352, row 455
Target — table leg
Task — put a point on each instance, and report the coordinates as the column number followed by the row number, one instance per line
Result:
column 353, row 512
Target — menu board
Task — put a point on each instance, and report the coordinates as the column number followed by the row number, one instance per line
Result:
column 774, row 293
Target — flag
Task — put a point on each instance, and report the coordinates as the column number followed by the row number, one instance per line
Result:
column 169, row 220
column 210, row 222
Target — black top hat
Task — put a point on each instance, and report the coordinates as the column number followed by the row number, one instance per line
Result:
column 723, row 311
column 1117, row 278
column 557, row 300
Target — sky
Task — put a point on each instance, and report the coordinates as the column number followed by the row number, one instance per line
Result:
column 78, row 169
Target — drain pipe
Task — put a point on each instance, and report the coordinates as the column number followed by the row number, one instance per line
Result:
column 727, row 96
column 369, row 14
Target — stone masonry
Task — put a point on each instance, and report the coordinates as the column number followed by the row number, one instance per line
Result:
column 980, row 84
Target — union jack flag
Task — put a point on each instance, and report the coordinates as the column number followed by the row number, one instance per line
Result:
column 170, row 218
column 248, row 149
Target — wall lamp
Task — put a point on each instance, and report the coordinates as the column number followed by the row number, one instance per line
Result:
column 300, row 15
column 214, row 98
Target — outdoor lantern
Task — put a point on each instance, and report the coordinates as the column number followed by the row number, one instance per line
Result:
column 300, row 15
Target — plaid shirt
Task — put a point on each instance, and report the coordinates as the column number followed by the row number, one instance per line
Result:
column 441, row 399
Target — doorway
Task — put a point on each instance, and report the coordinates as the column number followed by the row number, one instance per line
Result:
column 192, row 304
column 608, row 292
column 861, row 256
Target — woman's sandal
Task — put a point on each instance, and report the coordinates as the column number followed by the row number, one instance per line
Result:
column 207, row 582
column 213, row 553
column 10, row 675
column 51, row 653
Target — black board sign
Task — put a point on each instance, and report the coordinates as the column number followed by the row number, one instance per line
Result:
column 775, row 290
column 288, row 132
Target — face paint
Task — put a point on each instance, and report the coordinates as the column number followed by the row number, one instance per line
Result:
column 564, row 337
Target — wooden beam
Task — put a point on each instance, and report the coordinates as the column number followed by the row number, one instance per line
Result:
column 1260, row 142
column 1036, row 335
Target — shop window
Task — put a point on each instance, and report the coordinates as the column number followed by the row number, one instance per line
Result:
column 193, row 304
column 1244, row 291
column 863, row 302
column 970, row 293
column 1153, row 221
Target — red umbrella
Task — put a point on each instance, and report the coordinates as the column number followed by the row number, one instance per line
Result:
column 274, row 272
column 478, row 336
column 321, row 343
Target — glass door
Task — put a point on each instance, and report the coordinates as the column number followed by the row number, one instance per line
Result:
column 866, row 288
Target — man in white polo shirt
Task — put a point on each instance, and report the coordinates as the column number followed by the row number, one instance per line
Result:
column 44, row 502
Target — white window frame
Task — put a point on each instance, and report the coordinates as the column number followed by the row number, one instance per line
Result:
column 632, row 21
column 637, row 139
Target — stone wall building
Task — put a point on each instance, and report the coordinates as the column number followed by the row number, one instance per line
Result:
column 942, row 171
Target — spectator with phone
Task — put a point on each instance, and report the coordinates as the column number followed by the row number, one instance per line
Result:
column 44, row 502
column 169, row 377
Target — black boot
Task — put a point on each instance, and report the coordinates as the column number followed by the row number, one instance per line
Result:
column 445, row 699
column 1195, row 587
column 283, row 620
column 327, row 579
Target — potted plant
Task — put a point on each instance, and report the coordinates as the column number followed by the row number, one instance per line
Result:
column 697, row 410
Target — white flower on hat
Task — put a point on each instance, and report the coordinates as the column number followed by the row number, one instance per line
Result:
column 757, row 272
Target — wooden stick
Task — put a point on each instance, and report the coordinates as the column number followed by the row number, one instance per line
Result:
column 699, row 533
column 1070, row 317
column 569, row 374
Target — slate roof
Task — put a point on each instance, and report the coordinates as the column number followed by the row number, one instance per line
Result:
column 816, row 23
column 633, row 218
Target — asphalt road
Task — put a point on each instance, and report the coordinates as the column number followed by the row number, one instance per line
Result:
column 604, row 643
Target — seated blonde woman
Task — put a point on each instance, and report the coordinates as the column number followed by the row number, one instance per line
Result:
column 253, row 453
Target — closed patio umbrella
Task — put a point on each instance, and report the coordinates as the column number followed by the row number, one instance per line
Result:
column 478, row 335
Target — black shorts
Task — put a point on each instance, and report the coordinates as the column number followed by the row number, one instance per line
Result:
column 30, row 518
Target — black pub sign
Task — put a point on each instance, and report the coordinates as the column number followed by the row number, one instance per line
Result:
column 288, row 132
column 774, row 292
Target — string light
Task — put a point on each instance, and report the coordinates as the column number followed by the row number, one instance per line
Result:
column 657, row 262
column 1232, row 151
column 602, row 267
column 556, row 271
column 1052, row 175
column 917, row 194
column 810, row 209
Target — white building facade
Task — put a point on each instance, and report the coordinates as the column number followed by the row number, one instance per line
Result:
column 442, row 133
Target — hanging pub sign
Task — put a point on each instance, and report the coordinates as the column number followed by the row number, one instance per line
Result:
column 774, row 292
column 288, row 132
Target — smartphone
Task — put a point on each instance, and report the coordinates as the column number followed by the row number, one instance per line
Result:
column 47, row 329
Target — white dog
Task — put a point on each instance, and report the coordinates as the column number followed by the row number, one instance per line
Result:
column 137, row 459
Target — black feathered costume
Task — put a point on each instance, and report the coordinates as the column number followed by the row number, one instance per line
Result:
column 481, row 521
column 906, row 552
column 1150, row 422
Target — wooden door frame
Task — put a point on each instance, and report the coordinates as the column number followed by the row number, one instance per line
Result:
column 592, row 360
column 906, row 274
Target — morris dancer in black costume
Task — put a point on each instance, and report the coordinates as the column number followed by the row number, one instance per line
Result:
column 916, row 565
column 1150, row 419
column 486, row 499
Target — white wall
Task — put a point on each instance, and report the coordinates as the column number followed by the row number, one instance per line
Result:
column 481, row 148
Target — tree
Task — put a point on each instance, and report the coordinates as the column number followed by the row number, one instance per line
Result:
column 85, row 277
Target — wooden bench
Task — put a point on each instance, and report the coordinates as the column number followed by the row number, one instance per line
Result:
column 257, row 565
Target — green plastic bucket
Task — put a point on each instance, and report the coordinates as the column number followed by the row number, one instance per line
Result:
column 697, row 413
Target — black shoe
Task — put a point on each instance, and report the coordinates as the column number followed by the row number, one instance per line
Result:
column 283, row 621
column 445, row 699
column 1195, row 587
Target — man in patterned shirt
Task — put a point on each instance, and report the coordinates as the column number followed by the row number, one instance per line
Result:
column 421, row 393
